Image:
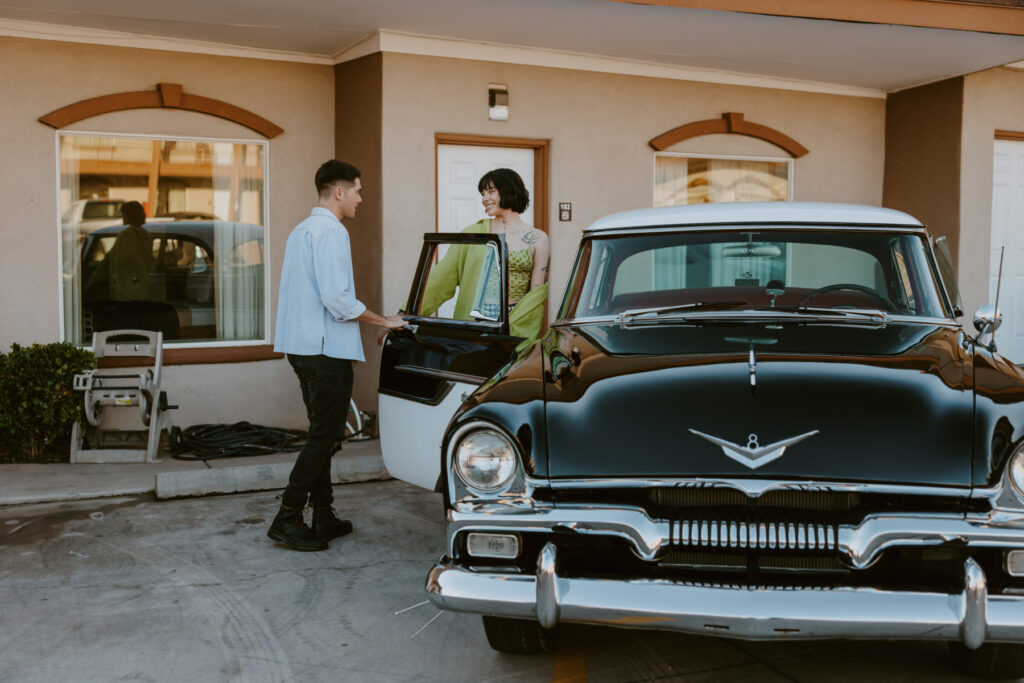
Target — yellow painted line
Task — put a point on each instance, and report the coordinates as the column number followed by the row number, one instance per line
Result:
column 570, row 666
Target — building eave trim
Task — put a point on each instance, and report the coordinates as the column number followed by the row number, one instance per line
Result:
column 432, row 46
column 70, row 34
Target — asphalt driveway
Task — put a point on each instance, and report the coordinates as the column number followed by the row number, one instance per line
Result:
column 135, row 589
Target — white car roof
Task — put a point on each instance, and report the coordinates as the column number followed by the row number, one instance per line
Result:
column 747, row 213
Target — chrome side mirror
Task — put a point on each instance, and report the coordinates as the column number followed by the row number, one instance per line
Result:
column 987, row 320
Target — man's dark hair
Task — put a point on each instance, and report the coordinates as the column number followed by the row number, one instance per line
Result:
column 334, row 171
column 133, row 213
column 510, row 187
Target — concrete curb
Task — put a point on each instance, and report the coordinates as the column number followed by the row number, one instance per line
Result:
column 34, row 499
column 35, row 483
column 203, row 482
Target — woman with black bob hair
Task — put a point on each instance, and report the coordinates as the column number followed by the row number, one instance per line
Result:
column 504, row 197
column 512, row 193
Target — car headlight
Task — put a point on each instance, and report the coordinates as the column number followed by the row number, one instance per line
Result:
column 1017, row 472
column 485, row 459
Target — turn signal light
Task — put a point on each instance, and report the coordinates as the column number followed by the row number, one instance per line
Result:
column 1015, row 563
column 500, row 546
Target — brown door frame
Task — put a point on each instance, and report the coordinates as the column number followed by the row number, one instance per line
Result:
column 1010, row 135
column 541, row 157
column 540, row 167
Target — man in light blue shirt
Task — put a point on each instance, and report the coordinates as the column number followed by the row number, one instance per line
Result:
column 318, row 318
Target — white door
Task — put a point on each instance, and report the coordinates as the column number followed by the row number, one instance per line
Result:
column 459, row 169
column 1008, row 231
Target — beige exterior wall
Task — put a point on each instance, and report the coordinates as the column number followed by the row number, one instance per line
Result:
column 37, row 77
column 922, row 156
column 599, row 125
column 993, row 100
column 357, row 141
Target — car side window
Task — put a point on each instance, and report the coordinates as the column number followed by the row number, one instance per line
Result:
column 902, row 290
column 180, row 254
column 601, row 282
column 463, row 282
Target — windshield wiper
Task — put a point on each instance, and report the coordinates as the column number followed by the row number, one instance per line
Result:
column 873, row 315
column 636, row 313
column 693, row 312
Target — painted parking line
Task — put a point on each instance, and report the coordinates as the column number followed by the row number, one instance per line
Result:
column 570, row 666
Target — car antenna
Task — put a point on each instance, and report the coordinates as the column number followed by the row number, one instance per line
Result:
column 999, row 286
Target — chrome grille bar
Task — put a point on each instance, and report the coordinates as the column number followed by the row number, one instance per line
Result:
column 755, row 535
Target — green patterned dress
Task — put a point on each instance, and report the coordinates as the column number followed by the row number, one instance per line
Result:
column 520, row 271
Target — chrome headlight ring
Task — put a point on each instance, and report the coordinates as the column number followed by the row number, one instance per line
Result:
column 1015, row 473
column 1008, row 495
column 483, row 457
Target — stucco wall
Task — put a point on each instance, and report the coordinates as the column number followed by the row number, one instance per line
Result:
column 922, row 156
column 357, row 141
column 600, row 125
column 37, row 77
column 993, row 100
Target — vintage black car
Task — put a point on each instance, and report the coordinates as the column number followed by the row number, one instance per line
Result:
column 756, row 421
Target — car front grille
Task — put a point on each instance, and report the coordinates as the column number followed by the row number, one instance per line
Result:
column 780, row 531
column 705, row 497
column 754, row 534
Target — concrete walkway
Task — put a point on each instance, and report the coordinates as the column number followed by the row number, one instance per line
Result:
column 170, row 478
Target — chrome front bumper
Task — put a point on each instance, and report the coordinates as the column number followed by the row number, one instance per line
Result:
column 972, row 616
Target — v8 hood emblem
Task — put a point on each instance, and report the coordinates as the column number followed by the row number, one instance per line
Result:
column 753, row 454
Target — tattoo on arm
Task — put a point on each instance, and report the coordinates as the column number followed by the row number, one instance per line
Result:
column 531, row 237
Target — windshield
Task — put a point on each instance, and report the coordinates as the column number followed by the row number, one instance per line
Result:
column 754, row 270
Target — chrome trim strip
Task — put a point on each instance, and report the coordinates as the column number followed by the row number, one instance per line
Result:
column 972, row 616
column 442, row 374
column 860, row 545
column 758, row 487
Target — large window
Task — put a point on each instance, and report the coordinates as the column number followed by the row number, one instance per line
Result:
column 696, row 179
column 194, row 268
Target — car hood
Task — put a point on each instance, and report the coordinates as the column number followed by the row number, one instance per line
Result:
column 885, row 404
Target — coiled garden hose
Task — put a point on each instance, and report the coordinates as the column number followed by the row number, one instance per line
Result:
column 209, row 441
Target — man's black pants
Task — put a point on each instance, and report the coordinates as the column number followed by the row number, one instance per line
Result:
column 326, row 385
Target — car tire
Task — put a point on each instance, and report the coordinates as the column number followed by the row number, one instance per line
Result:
column 991, row 660
column 518, row 636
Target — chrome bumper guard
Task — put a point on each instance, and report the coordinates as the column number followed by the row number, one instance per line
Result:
column 972, row 616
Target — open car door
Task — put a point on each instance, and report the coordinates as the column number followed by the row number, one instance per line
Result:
column 457, row 338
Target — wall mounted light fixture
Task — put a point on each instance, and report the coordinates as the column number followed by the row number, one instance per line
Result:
column 497, row 102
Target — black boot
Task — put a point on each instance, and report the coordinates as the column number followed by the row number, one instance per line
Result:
column 327, row 524
column 289, row 528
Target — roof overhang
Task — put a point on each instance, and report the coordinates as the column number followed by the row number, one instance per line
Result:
column 810, row 45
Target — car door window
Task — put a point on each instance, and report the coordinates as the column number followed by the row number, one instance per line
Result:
column 462, row 281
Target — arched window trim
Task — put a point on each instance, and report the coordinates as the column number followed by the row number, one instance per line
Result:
column 166, row 96
column 731, row 122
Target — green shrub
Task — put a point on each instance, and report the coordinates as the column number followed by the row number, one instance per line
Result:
column 38, row 405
